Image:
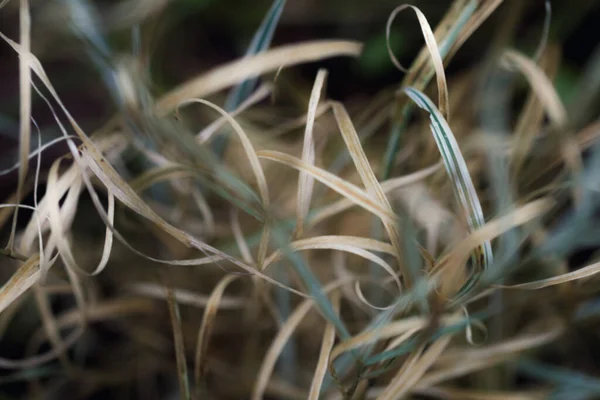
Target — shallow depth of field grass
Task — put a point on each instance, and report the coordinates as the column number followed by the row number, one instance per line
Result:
column 244, row 235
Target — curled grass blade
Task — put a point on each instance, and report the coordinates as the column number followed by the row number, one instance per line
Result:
column 434, row 51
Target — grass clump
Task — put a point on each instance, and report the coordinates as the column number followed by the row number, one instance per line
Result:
column 236, row 250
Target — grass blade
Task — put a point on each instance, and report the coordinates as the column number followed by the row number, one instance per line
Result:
column 459, row 174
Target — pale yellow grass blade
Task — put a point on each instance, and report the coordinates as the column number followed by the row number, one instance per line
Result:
column 256, row 169
column 326, row 345
column 305, row 181
column 346, row 189
column 370, row 182
column 430, row 41
column 206, row 327
column 258, row 95
column 241, row 69
column 350, row 244
column 388, row 186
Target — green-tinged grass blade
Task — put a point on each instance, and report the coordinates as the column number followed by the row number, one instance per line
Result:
column 578, row 383
column 309, row 279
column 458, row 172
column 260, row 42
column 402, row 303
column 399, row 126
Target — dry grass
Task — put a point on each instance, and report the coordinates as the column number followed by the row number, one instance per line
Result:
column 258, row 273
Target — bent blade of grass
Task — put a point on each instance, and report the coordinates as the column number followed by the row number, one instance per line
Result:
column 434, row 51
column 206, row 327
column 24, row 109
column 456, row 168
column 239, row 70
column 388, row 186
column 457, row 20
column 310, row 281
column 260, row 94
column 326, row 345
column 349, row 244
column 369, row 180
column 305, row 181
column 540, row 84
column 256, row 169
column 182, row 371
column 346, row 189
column 461, row 251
